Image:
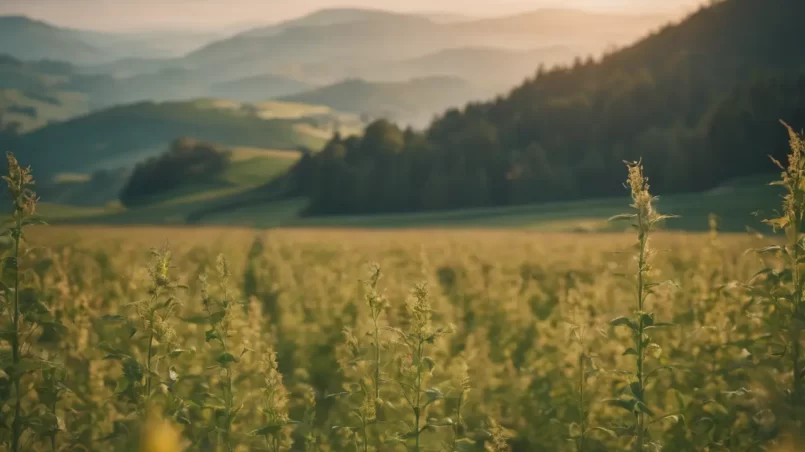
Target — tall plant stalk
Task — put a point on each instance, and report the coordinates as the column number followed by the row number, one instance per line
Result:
column 644, row 220
column 19, row 181
column 791, row 220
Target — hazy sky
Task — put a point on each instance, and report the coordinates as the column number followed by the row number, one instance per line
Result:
column 205, row 14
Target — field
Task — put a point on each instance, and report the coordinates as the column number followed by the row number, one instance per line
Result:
column 510, row 299
column 454, row 339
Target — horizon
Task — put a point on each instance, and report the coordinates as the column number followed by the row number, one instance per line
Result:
column 235, row 15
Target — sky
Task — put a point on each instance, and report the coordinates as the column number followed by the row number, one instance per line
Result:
column 132, row 15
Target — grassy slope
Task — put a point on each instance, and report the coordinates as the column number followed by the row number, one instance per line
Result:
column 33, row 112
column 123, row 136
column 734, row 204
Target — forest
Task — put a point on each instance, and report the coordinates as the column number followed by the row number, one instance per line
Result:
column 700, row 100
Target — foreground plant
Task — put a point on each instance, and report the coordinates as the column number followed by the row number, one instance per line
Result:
column 219, row 318
column 31, row 326
column 785, row 316
column 644, row 220
column 415, row 365
column 276, row 422
column 149, row 345
column 580, row 432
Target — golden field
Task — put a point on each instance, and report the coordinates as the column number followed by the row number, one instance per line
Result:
column 527, row 313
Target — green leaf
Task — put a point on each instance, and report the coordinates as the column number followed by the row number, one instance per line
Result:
column 659, row 325
column 623, row 320
column 211, row 335
column 271, row 429
column 224, row 359
column 643, row 408
column 217, row 317
column 630, row 351
column 626, row 404
column 429, row 362
column 637, row 390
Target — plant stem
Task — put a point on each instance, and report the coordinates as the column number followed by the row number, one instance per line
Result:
column 457, row 424
column 148, row 362
column 16, row 425
column 796, row 330
column 581, row 402
column 418, row 391
column 641, row 262
column 365, row 434
column 377, row 359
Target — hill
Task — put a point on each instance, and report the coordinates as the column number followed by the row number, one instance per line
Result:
column 493, row 69
column 22, row 37
column 688, row 99
column 31, row 110
column 122, row 136
column 325, row 17
column 564, row 26
column 336, row 44
column 30, row 39
column 413, row 102
column 261, row 87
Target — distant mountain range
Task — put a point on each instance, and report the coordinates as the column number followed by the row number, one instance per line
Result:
column 85, row 100
column 29, row 39
column 387, row 51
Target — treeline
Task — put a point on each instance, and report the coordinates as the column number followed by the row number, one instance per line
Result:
column 187, row 161
column 699, row 101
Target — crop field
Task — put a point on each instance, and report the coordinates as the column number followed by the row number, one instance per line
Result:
column 527, row 314
column 232, row 339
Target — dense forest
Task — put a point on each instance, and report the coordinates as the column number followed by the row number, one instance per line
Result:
column 699, row 101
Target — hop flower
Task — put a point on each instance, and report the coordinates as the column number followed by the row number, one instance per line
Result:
column 639, row 186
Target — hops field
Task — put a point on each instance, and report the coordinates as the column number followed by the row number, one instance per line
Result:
column 346, row 340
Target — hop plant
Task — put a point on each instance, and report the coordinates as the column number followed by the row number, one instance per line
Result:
column 644, row 220
column 148, row 378
column 783, row 298
column 275, row 405
column 414, row 365
column 498, row 438
column 29, row 323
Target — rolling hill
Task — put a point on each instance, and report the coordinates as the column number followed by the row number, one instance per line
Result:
column 30, row 39
column 325, row 17
column 122, row 136
column 320, row 49
column 33, row 110
column 413, row 102
column 334, row 44
column 25, row 38
column 494, row 70
column 257, row 88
